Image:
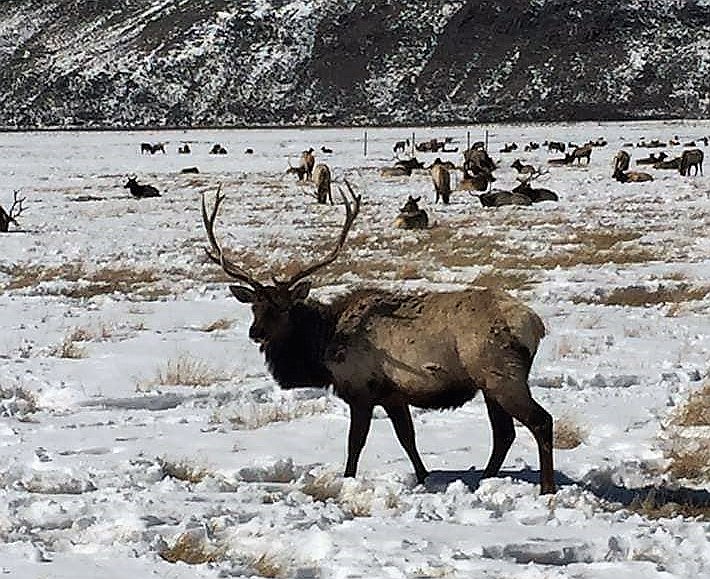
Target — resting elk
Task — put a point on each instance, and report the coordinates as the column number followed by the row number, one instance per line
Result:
column 140, row 191
column 411, row 217
column 691, row 158
column 379, row 348
column 7, row 217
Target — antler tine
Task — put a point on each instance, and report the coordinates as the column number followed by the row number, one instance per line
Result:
column 351, row 212
column 16, row 203
column 214, row 252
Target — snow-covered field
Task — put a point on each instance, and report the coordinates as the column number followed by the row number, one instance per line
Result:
column 107, row 301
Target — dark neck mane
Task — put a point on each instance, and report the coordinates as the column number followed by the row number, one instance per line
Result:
column 296, row 358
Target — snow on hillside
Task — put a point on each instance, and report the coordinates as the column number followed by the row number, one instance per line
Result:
column 109, row 468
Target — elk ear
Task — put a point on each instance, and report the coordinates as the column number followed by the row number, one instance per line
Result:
column 300, row 292
column 243, row 294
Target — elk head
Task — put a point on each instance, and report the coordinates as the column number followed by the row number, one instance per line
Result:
column 272, row 305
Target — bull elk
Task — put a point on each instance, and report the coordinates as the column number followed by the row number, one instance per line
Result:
column 378, row 348
column 7, row 217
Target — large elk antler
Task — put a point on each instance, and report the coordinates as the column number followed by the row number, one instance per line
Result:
column 16, row 203
column 215, row 252
column 351, row 211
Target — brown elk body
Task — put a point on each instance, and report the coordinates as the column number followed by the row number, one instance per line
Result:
column 622, row 160
column 376, row 348
column 442, row 182
column 321, row 179
column 691, row 158
column 308, row 161
column 579, row 153
column 631, row 176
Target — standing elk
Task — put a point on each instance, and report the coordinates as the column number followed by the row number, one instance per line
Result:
column 7, row 217
column 140, row 191
column 321, row 179
column 378, row 348
column 556, row 146
column 622, row 160
column 579, row 153
column 442, row 182
column 692, row 158
column 218, row 149
column 308, row 161
column 411, row 217
column 400, row 146
column 184, row 149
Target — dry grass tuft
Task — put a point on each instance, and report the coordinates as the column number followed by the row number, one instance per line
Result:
column 696, row 410
column 70, row 347
column 266, row 565
column 322, row 487
column 567, row 434
column 191, row 550
column 182, row 470
column 220, row 324
column 506, row 280
column 253, row 416
column 185, row 371
column 691, row 461
column 639, row 296
column 17, row 401
column 654, row 505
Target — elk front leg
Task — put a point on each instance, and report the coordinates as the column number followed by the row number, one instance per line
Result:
column 360, row 420
column 401, row 418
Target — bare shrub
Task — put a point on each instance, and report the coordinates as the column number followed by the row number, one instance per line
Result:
column 567, row 434
column 322, row 487
column 190, row 549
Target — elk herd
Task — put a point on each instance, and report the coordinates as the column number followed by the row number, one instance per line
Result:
column 431, row 350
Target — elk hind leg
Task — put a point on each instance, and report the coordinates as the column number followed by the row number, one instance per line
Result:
column 401, row 418
column 503, row 436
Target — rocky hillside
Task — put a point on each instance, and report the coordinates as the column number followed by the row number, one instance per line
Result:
column 234, row 62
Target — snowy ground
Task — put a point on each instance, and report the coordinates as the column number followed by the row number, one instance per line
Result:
column 105, row 464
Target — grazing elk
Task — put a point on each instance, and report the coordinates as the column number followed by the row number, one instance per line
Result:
column 7, row 217
column 379, row 348
column 691, row 158
column 184, row 149
column 442, row 182
column 326, row 150
column 525, row 172
column 140, row 191
column 509, row 148
column 556, row 146
column 411, row 217
column 321, row 179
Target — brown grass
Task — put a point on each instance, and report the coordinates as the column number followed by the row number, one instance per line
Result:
column 17, row 402
column 691, row 461
column 266, row 565
column 220, row 324
column 191, row 550
column 696, row 410
column 639, row 296
column 186, row 371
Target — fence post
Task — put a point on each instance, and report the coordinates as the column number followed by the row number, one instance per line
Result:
column 364, row 145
